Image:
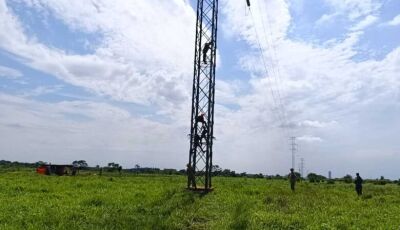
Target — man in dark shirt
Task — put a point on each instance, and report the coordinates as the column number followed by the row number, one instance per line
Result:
column 358, row 181
column 207, row 47
column 192, row 179
column 292, row 179
column 204, row 133
column 201, row 118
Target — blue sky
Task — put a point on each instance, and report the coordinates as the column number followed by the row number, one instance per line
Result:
column 111, row 82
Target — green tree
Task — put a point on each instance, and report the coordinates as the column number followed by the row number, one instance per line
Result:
column 348, row 179
column 313, row 177
column 113, row 166
column 81, row 164
column 39, row 163
column 216, row 170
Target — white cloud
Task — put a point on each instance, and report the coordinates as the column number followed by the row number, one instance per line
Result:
column 9, row 72
column 100, row 133
column 361, row 11
column 326, row 18
column 274, row 13
column 316, row 124
column 317, row 83
column 354, row 9
column 309, row 139
column 42, row 90
column 139, row 60
column 367, row 21
column 227, row 91
column 394, row 22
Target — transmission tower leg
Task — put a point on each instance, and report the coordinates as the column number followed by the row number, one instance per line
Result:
column 202, row 118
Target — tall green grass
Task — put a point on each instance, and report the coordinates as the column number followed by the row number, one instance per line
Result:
column 31, row 201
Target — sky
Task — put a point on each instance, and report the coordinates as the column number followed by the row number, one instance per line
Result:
column 110, row 81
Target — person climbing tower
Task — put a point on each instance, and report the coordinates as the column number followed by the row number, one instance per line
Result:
column 197, row 142
column 204, row 133
column 206, row 48
column 201, row 118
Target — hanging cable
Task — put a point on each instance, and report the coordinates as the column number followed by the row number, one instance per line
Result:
column 274, row 66
column 278, row 105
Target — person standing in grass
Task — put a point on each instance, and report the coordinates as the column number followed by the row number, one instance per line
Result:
column 358, row 181
column 192, row 179
column 292, row 179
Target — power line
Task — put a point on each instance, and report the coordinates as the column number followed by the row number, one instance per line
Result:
column 275, row 67
column 281, row 117
column 276, row 94
column 276, row 75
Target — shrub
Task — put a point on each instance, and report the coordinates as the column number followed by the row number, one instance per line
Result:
column 348, row 179
column 330, row 181
column 382, row 181
column 315, row 178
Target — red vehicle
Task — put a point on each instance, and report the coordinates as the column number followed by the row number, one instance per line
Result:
column 49, row 169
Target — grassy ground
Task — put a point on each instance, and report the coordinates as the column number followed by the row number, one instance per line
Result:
column 30, row 201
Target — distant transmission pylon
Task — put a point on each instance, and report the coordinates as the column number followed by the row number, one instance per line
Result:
column 293, row 148
column 203, row 94
column 302, row 167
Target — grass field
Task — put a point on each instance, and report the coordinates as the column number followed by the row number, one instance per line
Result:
column 30, row 201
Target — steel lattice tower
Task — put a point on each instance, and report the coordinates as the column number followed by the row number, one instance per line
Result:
column 202, row 119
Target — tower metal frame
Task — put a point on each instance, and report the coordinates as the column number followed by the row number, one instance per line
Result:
column 203, row 95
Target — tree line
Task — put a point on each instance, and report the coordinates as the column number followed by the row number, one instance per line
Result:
column 216, row 171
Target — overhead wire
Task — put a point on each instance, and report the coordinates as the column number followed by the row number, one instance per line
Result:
column 275, row 95
column 274, row 66
column 274, row 73
column 273, row 55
